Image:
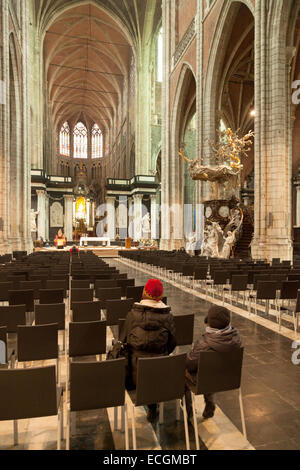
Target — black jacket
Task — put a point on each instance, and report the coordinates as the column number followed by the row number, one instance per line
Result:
column 148, row 331
column 224, row 341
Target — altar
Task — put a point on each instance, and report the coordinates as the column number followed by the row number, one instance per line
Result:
column 94, row 239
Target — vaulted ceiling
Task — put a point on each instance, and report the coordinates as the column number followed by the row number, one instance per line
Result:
column 237, row 84
column 87, row 52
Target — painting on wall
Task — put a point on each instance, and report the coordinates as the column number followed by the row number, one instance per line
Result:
column 56, row 215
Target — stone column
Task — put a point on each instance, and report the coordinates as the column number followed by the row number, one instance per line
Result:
column 88, row 212
column 154, row 218
column 298, row 206
column 137, row 216
column 41, row 207
column 123, row 217
column 273, row 176
column 165, row 143
column 47, row 216
column 130, row 218
column 111, row 217
column 68, row 217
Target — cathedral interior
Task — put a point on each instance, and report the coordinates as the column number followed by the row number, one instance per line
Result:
column 154, row 139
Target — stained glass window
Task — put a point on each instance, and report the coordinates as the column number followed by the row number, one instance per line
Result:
column 97, row 142
column 80, row 141
column 64, row 140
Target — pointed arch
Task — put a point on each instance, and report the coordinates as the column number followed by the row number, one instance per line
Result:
column 213, row 80
column 80, row 138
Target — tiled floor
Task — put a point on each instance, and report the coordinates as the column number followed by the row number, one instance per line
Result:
column 270, row 383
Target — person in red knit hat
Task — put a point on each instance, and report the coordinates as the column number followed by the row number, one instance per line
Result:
column 153, row 290
column 149, row 330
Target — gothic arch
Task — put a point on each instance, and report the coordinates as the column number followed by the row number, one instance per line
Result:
column 184, row 105
column 214, row 71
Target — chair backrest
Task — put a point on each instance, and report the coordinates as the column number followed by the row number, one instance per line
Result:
column 3, row 345
column 289, row 290
column 124, row 283
column 117, row 308
column 184, row 329
column 239, row 282
column 95, row 385
column 220, row 277
column 5, row 287
column 58, row 284
column 134, row 292
column 80, row 283
column 200, row 273
column 160, row 379
column 50, row 313
column 11, row 316
column 87, row 338
column 37, row 343
column 81, row 295
column 86, row 311
column 219, row 372
column 297, row 307
column 102, row 283
column 51, row 296
column 266, row 289
column 22, row 297
column 32, row 285
column 108, row 293
column 28, row 393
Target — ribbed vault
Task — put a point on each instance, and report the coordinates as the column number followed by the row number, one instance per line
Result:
column 87, row 51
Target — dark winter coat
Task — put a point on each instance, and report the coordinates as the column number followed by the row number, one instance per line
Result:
column 226, row 340
column 148, row 331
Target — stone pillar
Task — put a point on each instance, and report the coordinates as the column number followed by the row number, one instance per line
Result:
column 154, row 217
column 88, row 211
column 273, row 176
column 41, row 207
column 68, row 217
column 111, row 217
column 165, row 143
column 123, row 217
column 47, row 216
column 298, row 206
column 137, row 216
column 130, row 218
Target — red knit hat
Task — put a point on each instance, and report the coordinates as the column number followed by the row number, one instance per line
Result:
column 153, row 290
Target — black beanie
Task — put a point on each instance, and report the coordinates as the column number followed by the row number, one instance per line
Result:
column 218, row 317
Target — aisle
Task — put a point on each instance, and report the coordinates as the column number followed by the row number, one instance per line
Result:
column 270, row 383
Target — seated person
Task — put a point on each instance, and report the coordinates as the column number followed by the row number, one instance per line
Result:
column 60, row 240
column 220, row 336
column 74, row 249
column 149, row 330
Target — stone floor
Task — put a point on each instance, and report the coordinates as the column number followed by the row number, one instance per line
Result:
column 270, row 387
column 270, row 382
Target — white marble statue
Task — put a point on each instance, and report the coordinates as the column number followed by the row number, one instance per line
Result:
column 228, row 244
column 190, row 244
column 33, row 215
column 146, row 225
column 211, row 242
